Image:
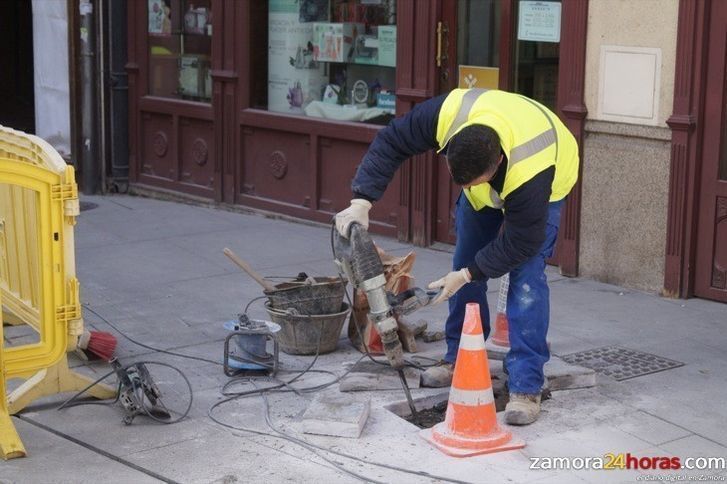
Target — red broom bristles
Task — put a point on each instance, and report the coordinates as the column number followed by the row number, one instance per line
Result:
column 99, row 343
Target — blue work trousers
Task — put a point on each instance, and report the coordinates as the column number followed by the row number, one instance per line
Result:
column 528, row 299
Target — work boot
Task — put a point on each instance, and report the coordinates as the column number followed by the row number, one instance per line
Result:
column 439, row 375
column 522, row 409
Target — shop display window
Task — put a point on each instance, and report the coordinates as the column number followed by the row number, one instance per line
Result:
column 180, row 43
column 330, row 59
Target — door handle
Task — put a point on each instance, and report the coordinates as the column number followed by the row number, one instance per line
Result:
column 442, row 31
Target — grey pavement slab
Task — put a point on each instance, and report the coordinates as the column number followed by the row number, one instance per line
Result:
column 652, row 429
column 155, row 269
column 52, row 458
column 335, row 414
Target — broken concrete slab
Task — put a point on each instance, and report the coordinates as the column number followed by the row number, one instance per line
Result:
column 367, row 375
column 565, row 376
column 415, row 327
column 407, row 338
column 335, row 415
column 559, row 375
column 430, row 336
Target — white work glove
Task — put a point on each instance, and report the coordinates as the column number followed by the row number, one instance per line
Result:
column 450, row 284
column 357, row 212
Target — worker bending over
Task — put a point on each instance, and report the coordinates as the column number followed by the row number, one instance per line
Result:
column 516, row 162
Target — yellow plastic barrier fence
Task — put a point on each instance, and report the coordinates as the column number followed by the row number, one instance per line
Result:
column 38, row 285
column 10, row 444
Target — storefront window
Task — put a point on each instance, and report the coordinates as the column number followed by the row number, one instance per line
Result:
column 180, row 44
column 537, row 50
column 331, row 59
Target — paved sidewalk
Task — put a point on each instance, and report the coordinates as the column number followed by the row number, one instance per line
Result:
column 156, row 270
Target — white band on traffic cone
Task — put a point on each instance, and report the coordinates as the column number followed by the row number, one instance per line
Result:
column 472, row 342
column 471, row 398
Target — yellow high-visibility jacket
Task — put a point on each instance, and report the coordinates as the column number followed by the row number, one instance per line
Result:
column 531, row 136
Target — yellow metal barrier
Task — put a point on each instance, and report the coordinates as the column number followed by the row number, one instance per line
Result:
column 38, row 285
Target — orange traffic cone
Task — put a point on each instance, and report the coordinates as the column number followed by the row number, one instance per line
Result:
column 501, row 334
column 470, row 426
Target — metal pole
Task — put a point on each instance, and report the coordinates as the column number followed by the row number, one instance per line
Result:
column 89, row 150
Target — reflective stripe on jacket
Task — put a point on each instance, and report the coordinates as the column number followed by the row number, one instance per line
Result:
column 531, row 136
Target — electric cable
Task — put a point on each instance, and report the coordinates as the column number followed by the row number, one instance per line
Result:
column 309, row 445
column 152, row 348
column 281, row 386
column 173, row 353
column 263, row 392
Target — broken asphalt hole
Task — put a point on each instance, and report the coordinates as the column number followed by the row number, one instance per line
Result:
column 432, row 410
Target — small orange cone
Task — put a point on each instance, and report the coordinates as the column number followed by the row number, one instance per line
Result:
column 470, row 426
column 501, row 334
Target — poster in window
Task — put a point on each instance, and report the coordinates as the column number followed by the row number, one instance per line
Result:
column 160, row 20
column 539, row 21
column 294, row 78
column 313, row 10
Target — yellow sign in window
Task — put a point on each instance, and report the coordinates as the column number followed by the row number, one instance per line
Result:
column 476, row 76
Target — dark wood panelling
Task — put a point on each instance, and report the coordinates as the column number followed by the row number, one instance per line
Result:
column 363, row 133
column 507, row 49
column 384, row 215
column 197, row 153
column 710, row 270
column 572, row 110
column 158, row 147
column 176, row 107
column 274, row 165
column 416, row 81
column 686, row 126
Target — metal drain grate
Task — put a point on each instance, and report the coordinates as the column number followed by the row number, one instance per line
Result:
column 621, row 363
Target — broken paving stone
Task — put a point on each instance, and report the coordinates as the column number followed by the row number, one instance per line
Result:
column 406, row 337
column 335, row 415
column 367, row 375
column 415, row 328
column 430, row 336
column 565, row 376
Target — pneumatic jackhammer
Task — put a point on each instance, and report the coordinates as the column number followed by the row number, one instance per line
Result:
column 357, row 257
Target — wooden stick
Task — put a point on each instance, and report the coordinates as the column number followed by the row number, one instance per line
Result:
column 246, row 267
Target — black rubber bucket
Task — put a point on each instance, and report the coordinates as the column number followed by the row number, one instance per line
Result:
column 323, row 297
column 304, row 335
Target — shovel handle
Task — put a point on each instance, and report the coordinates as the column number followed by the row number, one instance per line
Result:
column 250, row 271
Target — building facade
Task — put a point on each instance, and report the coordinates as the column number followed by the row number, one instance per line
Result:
column 271, row 105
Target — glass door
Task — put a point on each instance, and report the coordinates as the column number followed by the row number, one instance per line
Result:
column 537, row 50
column 471, row 53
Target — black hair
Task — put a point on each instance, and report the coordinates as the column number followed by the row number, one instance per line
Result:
column 472, row 152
